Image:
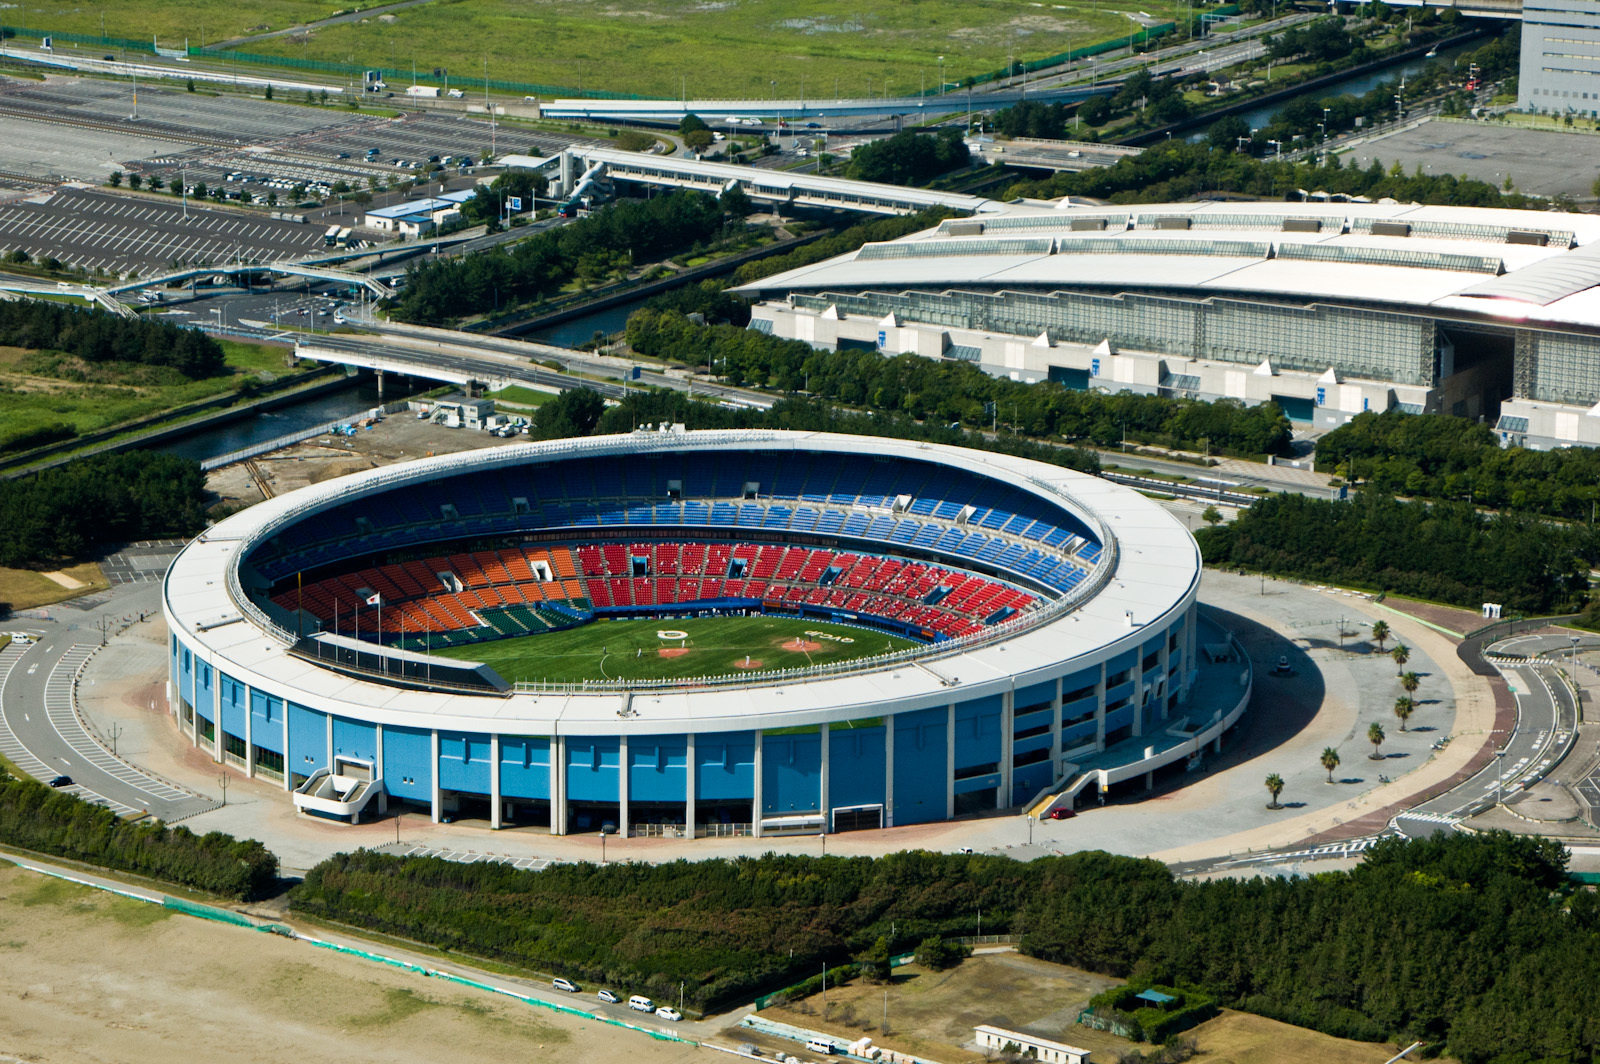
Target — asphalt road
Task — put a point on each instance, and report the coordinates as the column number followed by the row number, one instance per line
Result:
column 39, row 728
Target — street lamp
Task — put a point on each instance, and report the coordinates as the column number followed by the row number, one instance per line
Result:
column 941, row 75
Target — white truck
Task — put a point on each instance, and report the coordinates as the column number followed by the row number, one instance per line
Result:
column 427, row 91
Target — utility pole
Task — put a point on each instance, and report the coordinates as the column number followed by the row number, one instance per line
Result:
column 116, row 733
column 222, row 781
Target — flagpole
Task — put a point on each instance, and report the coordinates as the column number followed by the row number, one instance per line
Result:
column 383, row 661
column 299, row 603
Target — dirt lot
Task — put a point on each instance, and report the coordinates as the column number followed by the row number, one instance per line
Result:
column 398, row 438
column 932, row 1014
column 87, row 977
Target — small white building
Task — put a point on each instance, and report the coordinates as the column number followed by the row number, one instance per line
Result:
column 413, row 218
column 1042, row 1049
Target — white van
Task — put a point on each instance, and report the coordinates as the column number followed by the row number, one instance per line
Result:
column 565, row 984
column 640, row 1003
column 816, row 1045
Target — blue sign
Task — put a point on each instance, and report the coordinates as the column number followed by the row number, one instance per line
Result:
column 883, row 339
column 1094, row 368
column 515, row 202
column 635, row 374
column 1322, row 397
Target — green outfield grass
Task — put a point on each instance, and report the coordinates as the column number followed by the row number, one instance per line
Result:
column 711, row 646
column 720, row 48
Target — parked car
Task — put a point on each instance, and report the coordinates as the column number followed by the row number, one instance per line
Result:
column 61, row 781
column 565, row 984
column 1061, row 813
column 670, row 1014
column 640, row 1003
column 606, row 995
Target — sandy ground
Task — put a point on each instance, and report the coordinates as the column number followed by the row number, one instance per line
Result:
column 398, row 438
column 86, row 977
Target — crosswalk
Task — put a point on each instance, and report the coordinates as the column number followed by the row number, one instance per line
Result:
column 58, row 704
column 24, row 759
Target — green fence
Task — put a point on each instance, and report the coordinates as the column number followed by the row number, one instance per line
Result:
column 13, row 32
column 207, row 912
column 423, row 77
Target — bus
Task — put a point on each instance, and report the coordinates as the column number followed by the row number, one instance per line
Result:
column 343, row 237
column 330, row 236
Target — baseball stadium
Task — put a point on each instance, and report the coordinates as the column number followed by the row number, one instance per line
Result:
column 701, row 633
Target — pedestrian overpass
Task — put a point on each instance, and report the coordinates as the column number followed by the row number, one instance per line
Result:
column 283, row 268
column 784, row 187
column 718, row 112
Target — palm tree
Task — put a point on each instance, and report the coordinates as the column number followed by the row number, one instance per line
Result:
column 1409, row 682
column 1403, row 708
column 1330, row 760
column 1401, row 654
column 1380, row 632
column 1274, row 788
column 1375, row 736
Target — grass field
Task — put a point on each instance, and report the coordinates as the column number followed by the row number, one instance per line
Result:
column 720, row 48
column 710, row 646
column 516, row 395
column 23, row 589
column 39, row 388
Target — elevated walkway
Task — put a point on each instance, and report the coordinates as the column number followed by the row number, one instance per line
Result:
column 784, row 187
column 327, row 794
column 718, row 112
column 281, row 267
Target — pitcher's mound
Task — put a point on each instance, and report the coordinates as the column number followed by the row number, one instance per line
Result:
column 673, row 652
column 749, row 663
column 797, row 644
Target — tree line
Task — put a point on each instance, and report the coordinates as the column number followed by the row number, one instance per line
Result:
column 1454, row 458
column 614, row 237
column 909, row 157
column 96, row 335
column 1444, row 551
column 958, row 393
column 1477, row 944
column 1175, row 171
column 68, row 511
column 36, row 817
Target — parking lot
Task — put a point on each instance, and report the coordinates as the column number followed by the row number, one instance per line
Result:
column 104, row 231
column 1537, row 161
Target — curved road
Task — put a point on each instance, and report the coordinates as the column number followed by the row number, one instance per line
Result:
column 40, row 730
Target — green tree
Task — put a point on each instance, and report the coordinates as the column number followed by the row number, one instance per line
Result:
column 574, row 412
column 735, row 202
column 1330, row 760
column 692, row 124
column 1274, row 788
column 135, row 181
column 115, row 180
column 156, row 184
column 1403, row 708
column 189, row 84
column 698, row 140
column 1375, row 736
column 269, row 92
column 1380, row 632
column 1401, row 654
column 938, row 954
column 1409, row 682
column 874, row 962
column 1211, row 516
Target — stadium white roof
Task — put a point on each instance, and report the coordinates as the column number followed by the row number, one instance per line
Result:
column 1498, row 263
column 1154, row 575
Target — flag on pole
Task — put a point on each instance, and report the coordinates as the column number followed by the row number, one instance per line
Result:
column 375, row 600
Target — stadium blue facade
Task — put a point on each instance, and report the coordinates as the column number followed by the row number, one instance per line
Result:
column 906, row 742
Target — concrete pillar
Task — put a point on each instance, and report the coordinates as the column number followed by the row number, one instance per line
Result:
column 286, row 762
column 622, row 786
column 558, row 785
column 328, row 719
column 1055, row 730
column 822, row 785
column 380, row 386
column 691, row 771
column 378, row 772
column 249, row 734
column 216, row 714
column 1165, row 664
column 888, row 771
column 494, row 781
column 950, row 761
column 1100, row 709
column 755, row 802
column 1008, row 712
column 438, row 797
